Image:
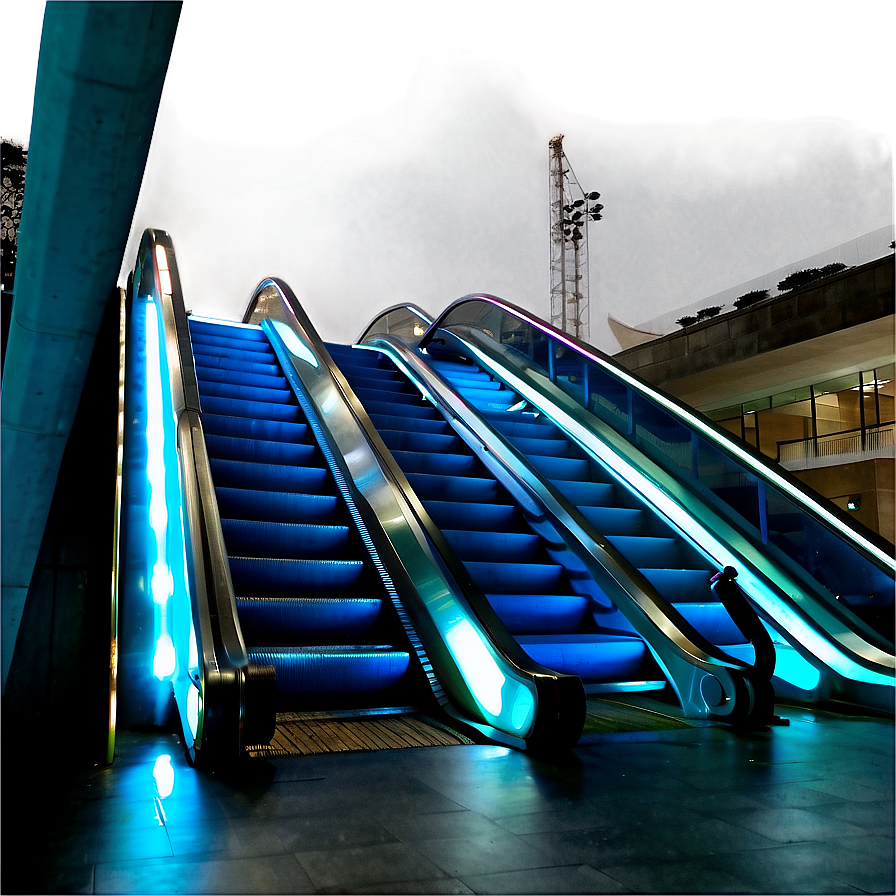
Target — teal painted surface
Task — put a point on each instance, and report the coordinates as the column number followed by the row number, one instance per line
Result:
column 100, row 76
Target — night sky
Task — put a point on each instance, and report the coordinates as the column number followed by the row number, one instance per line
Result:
column 375, row 153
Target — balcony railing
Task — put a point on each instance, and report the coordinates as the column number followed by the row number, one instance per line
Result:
column 837, row 447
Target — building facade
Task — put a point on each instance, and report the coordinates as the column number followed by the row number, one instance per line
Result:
column 806, row 378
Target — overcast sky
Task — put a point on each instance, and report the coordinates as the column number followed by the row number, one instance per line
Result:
column 372, row 153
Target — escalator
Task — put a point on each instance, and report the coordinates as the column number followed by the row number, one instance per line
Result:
column 535, row 596
column 277, row 556
column 309, row 599
column 676, row 496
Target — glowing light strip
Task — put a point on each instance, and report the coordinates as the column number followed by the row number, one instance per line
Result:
column 161, row 585
column 699, row 425
column 825, row 650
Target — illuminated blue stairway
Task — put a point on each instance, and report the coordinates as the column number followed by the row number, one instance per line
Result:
column 309, row 601
column 508, row 561
column 669, row 563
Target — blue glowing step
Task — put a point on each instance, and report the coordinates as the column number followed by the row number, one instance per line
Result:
column 333, row 670
column 251, row 428
column 429, row 422
column 236, row 364
column 453, row 488
column 223, row 375
column 276, row 577
column 268, row 477
column 591, row 657
column 285, row 507
column 216, row 389
column 529, row 614
column 444, row 464
column 263, row 538
column 563, row 468
column 225, row 344
column 469, row 545
column 259, row 450
column 385, row 396
column 389, row 408
column 237, row 407
column 582, row 494
column 231, row 328
column 712, row 621
column 515, row 578
column 615, row 520
column 542, row 447
column 455, row 368
column 680, row 585
column 481, row 517
column 296, row 619
column 488, row 398
column 648, row 551
column 429, row 442
column 521, row 425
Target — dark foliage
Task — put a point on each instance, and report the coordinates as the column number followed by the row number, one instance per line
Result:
column 750, row 298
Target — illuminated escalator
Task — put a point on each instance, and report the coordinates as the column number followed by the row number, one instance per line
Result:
column 309, row 599
column 640, row 468
column 543, row 603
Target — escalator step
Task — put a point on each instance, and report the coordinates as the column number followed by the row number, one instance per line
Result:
column 256, row 538
column 516, row 547
column 680, row 585
column 236, row 331
column 408, row 410
column 285, row 619
column 268, row 477
column 712, row 621
column 285, row 507
column 238, row 364
column 428, row 442
column 240, row 408
column 272, row 577
column 587, row 493
column 591, row 657
column 542, row 447
column 515, row 578
column 521, row 425
column 431, row 422
column 446, row 464
column 249, row 428
column 454, row 488
column 615, row 520
column 223, row 375
column 226, row 344
column 563, row 468
column 259, row 450
column 482, row 517
column 528, row 614
column 334, row 669
column 390, row 396
column 217, row 389
column 645, row 551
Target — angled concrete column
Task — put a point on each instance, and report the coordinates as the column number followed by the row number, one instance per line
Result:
column 99, row 80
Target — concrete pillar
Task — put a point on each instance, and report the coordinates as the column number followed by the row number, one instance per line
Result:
column 99, row 80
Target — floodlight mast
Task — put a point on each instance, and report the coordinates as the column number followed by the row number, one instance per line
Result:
column 571, row 210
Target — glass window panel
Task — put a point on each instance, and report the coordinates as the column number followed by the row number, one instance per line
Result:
column 849, row 381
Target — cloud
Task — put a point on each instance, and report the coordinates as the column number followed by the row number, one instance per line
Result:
column 388, row 122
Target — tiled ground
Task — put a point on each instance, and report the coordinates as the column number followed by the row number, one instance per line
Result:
column 802, row 809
